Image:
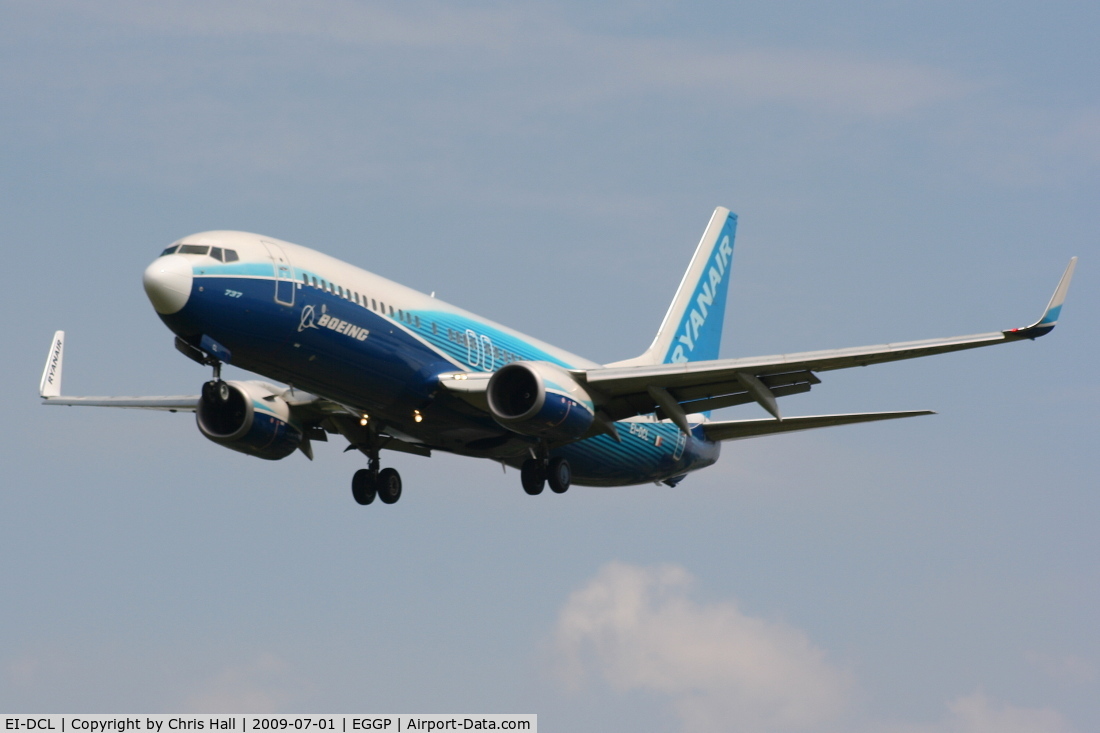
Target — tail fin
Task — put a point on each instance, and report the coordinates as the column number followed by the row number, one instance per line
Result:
column 692, row 328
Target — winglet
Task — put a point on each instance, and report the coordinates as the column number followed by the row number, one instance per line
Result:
column 1054, row 308
column 50, row 386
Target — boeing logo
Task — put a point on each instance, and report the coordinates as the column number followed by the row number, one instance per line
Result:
column 310, row 320
column 704, row 298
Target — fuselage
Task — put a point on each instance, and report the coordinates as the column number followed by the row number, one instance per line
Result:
column 309, row 320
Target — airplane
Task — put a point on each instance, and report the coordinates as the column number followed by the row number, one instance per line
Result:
column 390, row 368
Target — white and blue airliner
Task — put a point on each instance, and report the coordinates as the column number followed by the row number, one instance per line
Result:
column 389, row 368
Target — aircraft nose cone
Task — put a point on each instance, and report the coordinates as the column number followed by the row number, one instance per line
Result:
column 168, row 283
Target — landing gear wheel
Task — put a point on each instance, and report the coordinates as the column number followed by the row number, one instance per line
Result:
column 532, row 476
column 216, row 391
column 363, row 486
column 559, row 474
column 389, row 485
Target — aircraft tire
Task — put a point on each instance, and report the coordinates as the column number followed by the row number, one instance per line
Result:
column 559, row 475
column 363, row 487
column 532, row 476
column 389, row 485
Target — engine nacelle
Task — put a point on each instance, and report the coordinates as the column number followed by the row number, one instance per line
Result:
column 249, row 417
column 539, row 399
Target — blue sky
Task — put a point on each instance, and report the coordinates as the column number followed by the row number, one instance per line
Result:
column 901, row 171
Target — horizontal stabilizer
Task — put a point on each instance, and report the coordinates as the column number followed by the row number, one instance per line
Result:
column 739, row 429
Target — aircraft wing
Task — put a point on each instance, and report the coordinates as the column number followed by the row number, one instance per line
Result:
column 49, row 389
column 674, row 390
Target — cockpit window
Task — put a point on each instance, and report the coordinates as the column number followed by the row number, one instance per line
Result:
column 216, row 252
column 170, row 250
column 193, row 249
column 231, row 255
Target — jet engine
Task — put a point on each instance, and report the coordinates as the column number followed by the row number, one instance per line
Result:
column 249, row 417
column 541, row 400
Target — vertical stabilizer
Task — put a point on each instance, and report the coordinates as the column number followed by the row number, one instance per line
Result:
column 692, row 327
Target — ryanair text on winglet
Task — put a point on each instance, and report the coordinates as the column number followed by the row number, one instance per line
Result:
column 55, row 359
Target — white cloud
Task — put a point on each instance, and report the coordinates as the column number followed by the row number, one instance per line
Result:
column 977, row 714
column 259, row 686
column 637, row 629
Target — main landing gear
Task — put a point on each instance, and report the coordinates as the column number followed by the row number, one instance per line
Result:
column 535, row 473
column 368, row 483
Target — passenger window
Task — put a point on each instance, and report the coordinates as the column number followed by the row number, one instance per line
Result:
column 435, row 331
column 418, row 321
column 391, row 311
column 305, row 278
column 216, row 252
column 230, row 255
column 193, row 249
column 373, row 304
column 314, row 279
column 339, row 291
column 170, row 250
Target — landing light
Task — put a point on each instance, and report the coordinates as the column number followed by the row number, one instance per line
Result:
column 417, row 416
column 363, row 420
